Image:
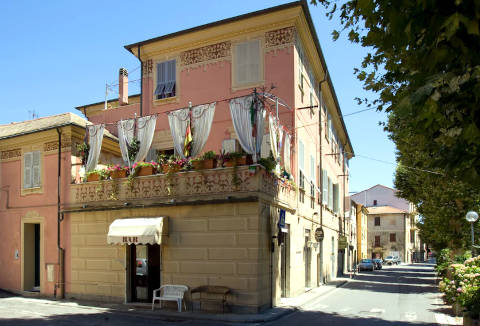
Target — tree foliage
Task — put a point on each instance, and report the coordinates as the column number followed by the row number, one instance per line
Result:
column 423, row 64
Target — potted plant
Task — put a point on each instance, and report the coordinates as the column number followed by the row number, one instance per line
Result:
column 83, row 150
column 235, row 159
column 209, row 160
column 144, row 168
column 269, row 163
column 97, row 175
column 198, row 163
column 117, row 171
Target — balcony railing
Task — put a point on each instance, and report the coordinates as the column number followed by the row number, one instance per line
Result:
column 189, row 186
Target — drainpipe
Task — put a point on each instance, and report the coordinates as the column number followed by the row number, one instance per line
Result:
column 59, row 289
column 141, row 81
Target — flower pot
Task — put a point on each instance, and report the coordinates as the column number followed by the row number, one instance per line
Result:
column 93, row 177
column 457, row 309
column 117, row 174
column 145, row 170
column 197, row 165
column 165, row 168
column 173, row 169
column 228, row 164
column 209, row 164
column 242, row 160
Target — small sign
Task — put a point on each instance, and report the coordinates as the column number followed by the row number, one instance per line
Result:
column 342, row 242
column 129, row 239
column 319, row 234
column 281, row 219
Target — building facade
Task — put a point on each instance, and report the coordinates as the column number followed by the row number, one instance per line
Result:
column 239, row 227
column 392, row 229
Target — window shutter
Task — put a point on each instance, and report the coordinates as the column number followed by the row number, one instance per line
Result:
column 312, row 169
column 27, row 170
column 330, row 194
column 253, row 68
column 241, row 60
column 265, row 149
column 330, row 128
column 36, row 169
column 324, row 187
column 301, row 155
column 160, row 79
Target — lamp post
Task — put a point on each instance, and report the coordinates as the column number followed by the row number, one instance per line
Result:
column 472, row 217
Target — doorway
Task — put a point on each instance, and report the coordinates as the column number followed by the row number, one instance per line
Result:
column 307, row 251
column 31, row 257
column 340, row 262
column 144, row 271
column 284, row 263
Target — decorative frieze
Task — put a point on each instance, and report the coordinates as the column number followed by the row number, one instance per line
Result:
column 148, row 67
column 11, row 154
column 53, row 146
column 207, row 53
column 280, row 37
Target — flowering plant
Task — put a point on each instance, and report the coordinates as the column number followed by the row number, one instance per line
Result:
column 116, row 167
column 144, row 164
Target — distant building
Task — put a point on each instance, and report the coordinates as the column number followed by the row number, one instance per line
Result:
column 391, row 224
column 361, row 225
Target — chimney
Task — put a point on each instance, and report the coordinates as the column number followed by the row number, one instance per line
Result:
column 122, row 87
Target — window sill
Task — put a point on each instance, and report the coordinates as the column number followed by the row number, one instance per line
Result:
column 31, row 191
column 173, row 99
column 247, row 86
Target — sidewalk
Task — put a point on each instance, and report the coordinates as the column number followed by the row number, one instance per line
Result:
column 285, row 307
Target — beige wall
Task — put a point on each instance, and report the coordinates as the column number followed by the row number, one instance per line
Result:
column 223, row 244
column 389, row 223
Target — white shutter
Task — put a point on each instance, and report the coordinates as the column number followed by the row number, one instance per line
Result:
column 324, row 187
column 241, row 60
column 286, row 153
column 253, row 65
column 335, row 198
column 301, row 155
column 27, row 170
column 330, row 193
column 312, row 169
column 36, row 169
column 265, row 149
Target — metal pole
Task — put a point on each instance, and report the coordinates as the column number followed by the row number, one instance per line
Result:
column 473, row 240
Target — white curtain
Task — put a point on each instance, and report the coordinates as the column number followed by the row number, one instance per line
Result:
column 240, row 111
column 145, row 132
column 273, row 127
column 286, row 153
column 178, row 121
column 95, row 138
column 202, row 116
column 125, row 137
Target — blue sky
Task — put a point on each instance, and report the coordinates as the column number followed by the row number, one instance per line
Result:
column 59, row 54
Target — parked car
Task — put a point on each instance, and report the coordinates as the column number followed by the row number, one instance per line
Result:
column 397, row 260
column 366, row 265
column 378, row 263
column 390, row 260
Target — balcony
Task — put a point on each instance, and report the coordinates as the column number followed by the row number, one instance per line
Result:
column 214, row 185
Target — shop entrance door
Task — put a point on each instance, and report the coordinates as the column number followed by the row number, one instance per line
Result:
column 144, row 271
column 31, row 268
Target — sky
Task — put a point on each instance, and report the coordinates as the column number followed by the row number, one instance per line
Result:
column 57, row 55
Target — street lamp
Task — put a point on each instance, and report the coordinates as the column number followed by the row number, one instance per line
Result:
column 472, row 217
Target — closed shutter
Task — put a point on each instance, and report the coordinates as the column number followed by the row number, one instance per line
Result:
column 330, row 134
column 247, row 62
column 330, row 193
column 265, row 149
column 27, row 170
column 336, row 198
column 312, row 170
column 166, row 79
column 324, row 187
column 36, row 169
column 301, row 155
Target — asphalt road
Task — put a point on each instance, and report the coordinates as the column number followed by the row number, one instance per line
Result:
column 396, row 295
column 399, row 295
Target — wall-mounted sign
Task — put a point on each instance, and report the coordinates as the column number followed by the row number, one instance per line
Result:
column 342, row 242
column 319, row 234
column 281, row 219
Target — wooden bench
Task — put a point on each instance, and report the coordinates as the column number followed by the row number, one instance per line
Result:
column 210, row 293
column 170, row 292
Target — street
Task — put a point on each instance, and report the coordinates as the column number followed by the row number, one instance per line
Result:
column 395, row 295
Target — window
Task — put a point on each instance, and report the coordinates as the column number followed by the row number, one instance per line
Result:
column 324, row 187
column 330, row 194
column 336, row 198
column 312, row 112
column 412, row 236
column 166, row 79
column 377, row 221
column 374, row 202
column 393, row 237
column 301, row 155
column 31, row 170
column 377, row 241
column 329, row 128
column 247, row 63
column 312, row 169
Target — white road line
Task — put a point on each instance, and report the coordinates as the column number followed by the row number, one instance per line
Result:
column 410, row 316
column 377, row 310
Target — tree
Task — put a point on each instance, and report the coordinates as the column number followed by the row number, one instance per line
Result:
column 424, row 66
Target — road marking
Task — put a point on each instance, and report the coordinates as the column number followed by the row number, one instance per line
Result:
column 377, row 310
column 410, row 316
column 346, row 309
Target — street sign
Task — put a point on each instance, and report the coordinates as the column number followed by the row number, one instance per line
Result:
column 281, row 219
column 342, row 242
column 319, row 235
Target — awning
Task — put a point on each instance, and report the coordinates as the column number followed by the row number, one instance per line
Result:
column 140, row 230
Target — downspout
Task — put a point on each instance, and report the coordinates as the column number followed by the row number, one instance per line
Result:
column 141, row 81
column 61, row 252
